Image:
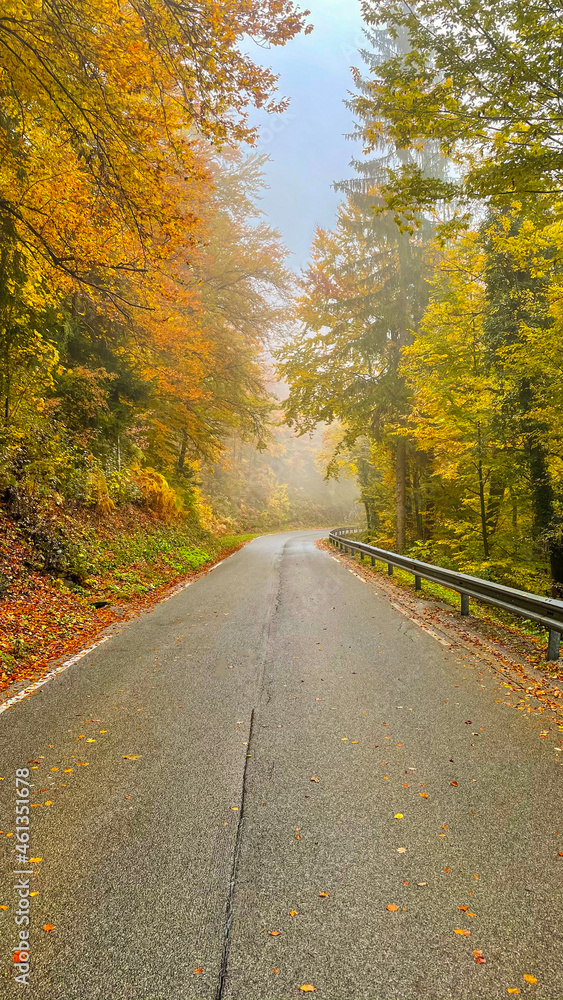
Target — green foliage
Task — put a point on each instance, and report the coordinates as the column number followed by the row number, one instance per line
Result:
column 482, row 81
column 432, row 327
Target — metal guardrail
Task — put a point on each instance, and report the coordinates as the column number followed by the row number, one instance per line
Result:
column 546, row 611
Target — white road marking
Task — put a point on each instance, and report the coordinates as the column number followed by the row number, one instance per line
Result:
column 49, row 676
column 26, row 692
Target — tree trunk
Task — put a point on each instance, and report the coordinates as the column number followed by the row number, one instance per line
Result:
column 400, row 492
column 483, row 510
column 556, row 566
column 183, row 446
column 494, row 502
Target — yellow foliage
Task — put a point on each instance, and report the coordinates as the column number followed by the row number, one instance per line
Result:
column 98, row 494
column 157, row 495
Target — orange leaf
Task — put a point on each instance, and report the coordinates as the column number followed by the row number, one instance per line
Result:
column 197, row 971
column 293, row 913
column 308, row 988
column 274, row 933
column 460, row 930
column 453, row 782
column 324, row 895
column 48, row 927
column 391, row 907
column 423, row 795
column 512, row 989
column 464, row 908
column 529, row 979
column 315, row 779
column 275, row 971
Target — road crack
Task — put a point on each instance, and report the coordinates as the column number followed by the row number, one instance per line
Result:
column 232, row 881
column 261, row 690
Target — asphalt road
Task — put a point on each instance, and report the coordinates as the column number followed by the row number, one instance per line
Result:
column 277, row 668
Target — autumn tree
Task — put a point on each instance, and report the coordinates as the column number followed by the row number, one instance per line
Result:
column 364, row 294
column 98, row 107
column 480, row 80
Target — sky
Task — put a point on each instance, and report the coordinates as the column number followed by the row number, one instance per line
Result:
column 306, row 145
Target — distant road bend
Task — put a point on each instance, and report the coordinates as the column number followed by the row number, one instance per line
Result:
column 273, row 781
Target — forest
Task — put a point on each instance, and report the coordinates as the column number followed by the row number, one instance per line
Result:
column 431, row 315
column 141, row 289
column 169, row 385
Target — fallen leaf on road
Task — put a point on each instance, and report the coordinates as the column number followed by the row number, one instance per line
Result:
column 398, row 816
column 447, row 869
column 275, row 971
column 315, row 779
column 48, row 927
column 464, row 908
column 324, row 895
column 453, row 782
column 293, row 913
column 391, row 907
column 560, row 853
column 298, row 836
column 197, row 971
column 423, row 795
column 49, row 802
column 422, row 883
column 470, row 914
column 131, row 756
column 274, row 933
column 460, row 930
column 3, row 907
column 401, row 850
column 308, row 988
column 318, row 699
column 34, row 861
column 512, row 989
column 479, row 957
column 354, row 741
column 529, row 979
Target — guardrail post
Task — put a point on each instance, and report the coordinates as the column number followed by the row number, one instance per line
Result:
column 373, row 560
column 464, row 604
column 361, row 556
column 417, row 582
column 553, row 645
column 389, row 569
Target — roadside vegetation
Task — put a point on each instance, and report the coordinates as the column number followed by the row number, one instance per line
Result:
column 431, row 315
column 140, row 288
